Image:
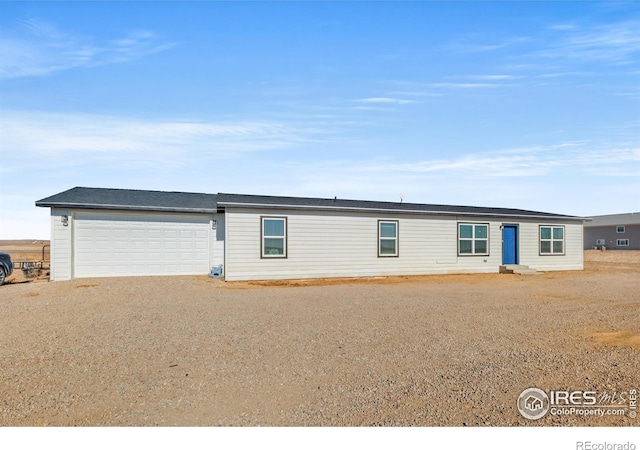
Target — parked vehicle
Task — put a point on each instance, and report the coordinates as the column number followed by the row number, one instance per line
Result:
column 6, row 267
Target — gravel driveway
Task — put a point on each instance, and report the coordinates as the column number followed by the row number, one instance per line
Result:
column 441, row 350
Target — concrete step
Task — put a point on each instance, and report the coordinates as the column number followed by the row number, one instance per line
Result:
column 527, row 272
column 519, row 269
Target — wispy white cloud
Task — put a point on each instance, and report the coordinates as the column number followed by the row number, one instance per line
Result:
column 517, row 163
column 525, row 162
column 473, row 44
column 614, row 43
column 560, row 50
column 563, row 27
column 422, row 89
column 384, row 100
column 417, row 93
column 76, row 138
column 545, row 178
column 496, row 77
column 467, row 85
column 39, row 48
column 632, row 94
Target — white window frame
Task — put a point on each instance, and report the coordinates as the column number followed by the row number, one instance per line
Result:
column 620, row 229
column 473, row 238
column 395, row 239
column 618, row 242
column 601, row 241
column 263, row 236
column 552, row 240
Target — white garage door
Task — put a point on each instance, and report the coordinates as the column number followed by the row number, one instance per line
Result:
column 112, row 244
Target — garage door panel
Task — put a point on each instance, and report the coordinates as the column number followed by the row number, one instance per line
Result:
column 137, row 243
column 108, row 244
column 120, row 244
column 102, row 257
column 120, row 257
column 119, row 234
column 186, row 245
column 102, row 245
column 137, row 234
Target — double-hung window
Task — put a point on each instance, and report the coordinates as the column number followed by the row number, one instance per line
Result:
column 551, row 240
column 622, row 242
column 274, row 237
column 620, row 229
column 387, row 238
column 473, row 239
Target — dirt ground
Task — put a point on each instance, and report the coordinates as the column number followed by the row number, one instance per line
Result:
column 454, row 350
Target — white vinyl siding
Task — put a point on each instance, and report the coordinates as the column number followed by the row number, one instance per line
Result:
column 317, row 244
column 61, row 245
column 387, row 238
column 338, row 244
column 217, row 241
column 343, row 244
column 529, row 241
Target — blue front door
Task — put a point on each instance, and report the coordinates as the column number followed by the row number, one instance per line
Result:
column 509, row 244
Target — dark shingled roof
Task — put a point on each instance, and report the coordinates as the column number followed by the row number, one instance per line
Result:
column 98, row 198
column 364, row 205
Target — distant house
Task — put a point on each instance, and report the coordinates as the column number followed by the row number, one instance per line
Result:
column 615, row 232
column 99, row 232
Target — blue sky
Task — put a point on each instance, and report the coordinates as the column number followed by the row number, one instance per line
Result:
column 533, row 105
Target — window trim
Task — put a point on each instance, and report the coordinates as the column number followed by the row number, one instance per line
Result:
column 618, row 244
column 473, row 238
column 552, row 240
column 618, row 229
column 285, row 238
column 396, row 239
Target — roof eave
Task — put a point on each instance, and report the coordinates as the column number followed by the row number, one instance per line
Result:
column 395, row 211
column 126, row 207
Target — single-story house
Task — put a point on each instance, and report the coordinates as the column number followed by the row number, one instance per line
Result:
column 99, row 232
column 613, row 231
